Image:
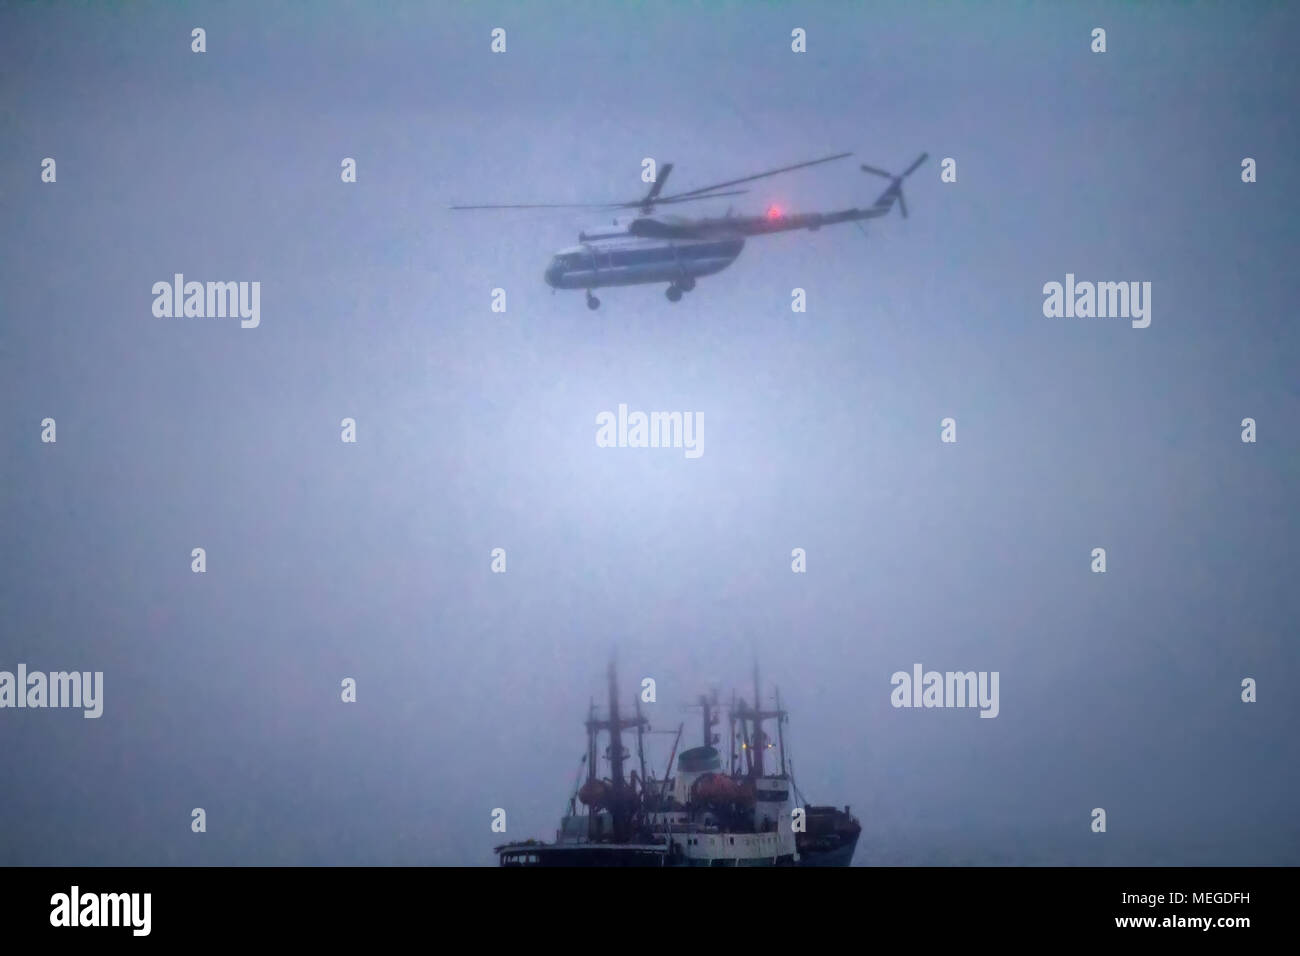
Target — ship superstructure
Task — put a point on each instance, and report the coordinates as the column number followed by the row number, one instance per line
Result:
column 697, row 813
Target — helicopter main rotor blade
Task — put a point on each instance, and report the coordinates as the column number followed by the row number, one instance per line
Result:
column 657, row 186
column 599, row 205
column 664, row 202
column 544, row 205
column 653, row 198
column 746, row 179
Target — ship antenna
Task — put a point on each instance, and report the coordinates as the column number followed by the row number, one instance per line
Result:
column 573, row 791
column 795, row 785
column 663, row 789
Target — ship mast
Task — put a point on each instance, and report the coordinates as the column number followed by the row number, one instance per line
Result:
column 746, row 744
column 709, row 719
column 618, row 810
column 780, row 733
column 640, row 741
column 751, row 728
column 760, row 743
column 731, row 744
column 621, row 803
column 591, row 741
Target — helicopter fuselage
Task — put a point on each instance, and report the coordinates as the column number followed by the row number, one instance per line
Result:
column 634, row 260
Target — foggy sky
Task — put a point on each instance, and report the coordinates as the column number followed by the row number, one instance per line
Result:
column 476, row 429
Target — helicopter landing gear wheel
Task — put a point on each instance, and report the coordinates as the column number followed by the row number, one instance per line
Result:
column 592, row 302
column 673, row 293
column 686, row 284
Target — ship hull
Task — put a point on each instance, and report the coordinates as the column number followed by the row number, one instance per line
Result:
column 835, row 856
column 831, row 837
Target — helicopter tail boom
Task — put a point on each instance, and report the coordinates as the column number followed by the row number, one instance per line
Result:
column 778, row 221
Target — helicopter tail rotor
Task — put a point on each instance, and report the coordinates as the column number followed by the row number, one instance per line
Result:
column 895, row 190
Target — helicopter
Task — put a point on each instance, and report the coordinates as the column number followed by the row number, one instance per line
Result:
column 647, row 248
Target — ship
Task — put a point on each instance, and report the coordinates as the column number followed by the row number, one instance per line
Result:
column 696, row 813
